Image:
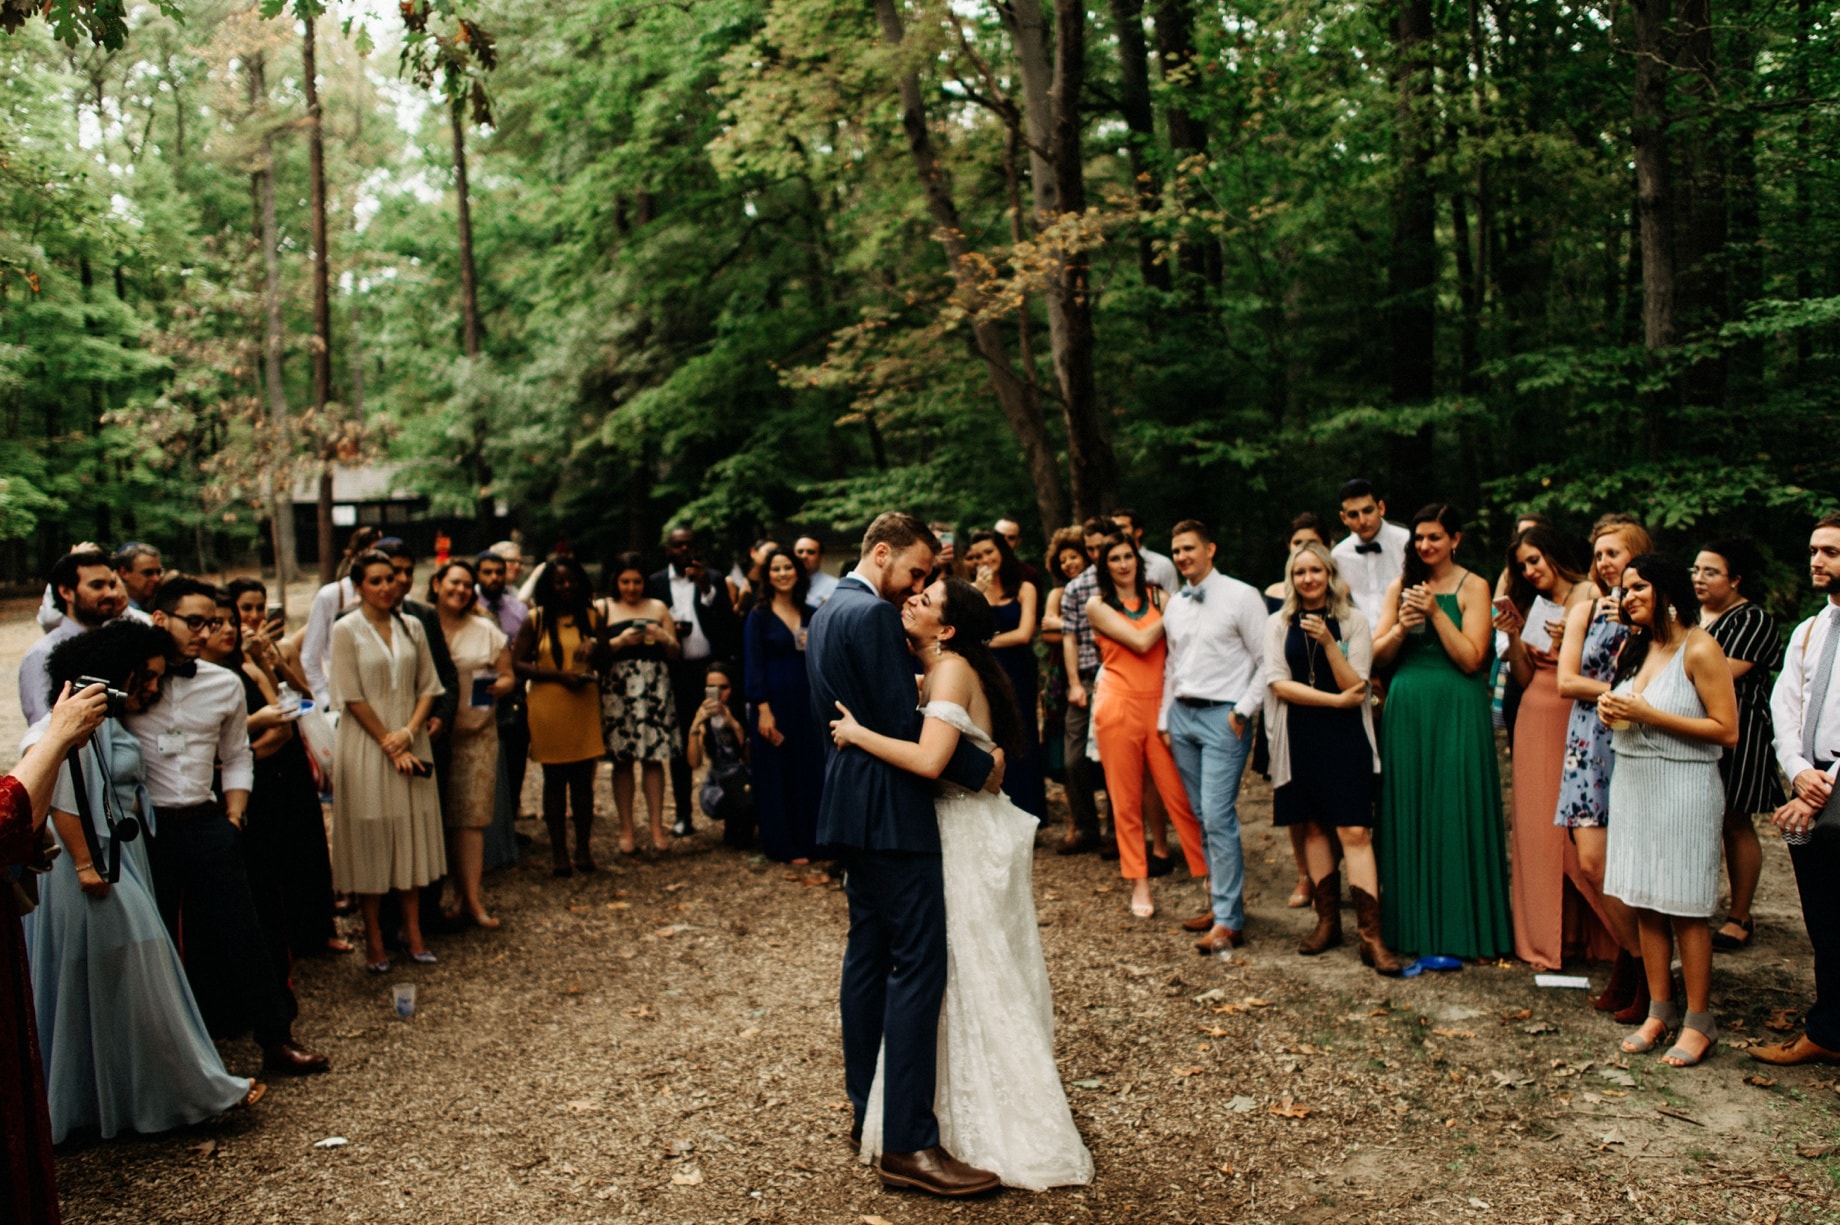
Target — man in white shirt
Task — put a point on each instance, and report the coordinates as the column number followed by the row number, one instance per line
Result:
column 1158, row 569
column 1373, row 554
column 810, row 552
column 316, row 644
column 86, row 592
column 196, row 845
column 1805, row 709
column 1213, row 683
column 706, row 629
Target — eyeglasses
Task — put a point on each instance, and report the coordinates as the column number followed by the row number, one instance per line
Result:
column 197, row 622
column 1705, row 572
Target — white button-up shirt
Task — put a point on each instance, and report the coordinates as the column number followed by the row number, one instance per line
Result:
column 1160, row 570
column 1795, row 686
column 1216, row 646
column 316, row 644
column 1368, row 575
column 684, row 597
column 822, row 585
column 199, row 722
column 35, row 695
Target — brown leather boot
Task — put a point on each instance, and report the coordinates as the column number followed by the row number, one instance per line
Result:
column 1373, row 949
column 1637, row 1011
column 1621, row 988
column 1325, row 895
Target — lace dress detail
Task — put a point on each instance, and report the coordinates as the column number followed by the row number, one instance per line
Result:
column 998, row 1097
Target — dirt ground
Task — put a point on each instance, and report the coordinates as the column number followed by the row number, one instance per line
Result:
column 658, row 1042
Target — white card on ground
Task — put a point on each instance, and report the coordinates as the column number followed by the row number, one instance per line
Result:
column 1562, row 980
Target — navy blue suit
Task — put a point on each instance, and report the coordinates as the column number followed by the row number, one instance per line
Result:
column 881, row 823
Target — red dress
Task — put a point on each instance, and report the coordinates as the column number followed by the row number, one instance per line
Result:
column 28, row 1189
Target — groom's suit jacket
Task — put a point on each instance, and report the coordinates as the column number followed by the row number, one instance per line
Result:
column 857, row 654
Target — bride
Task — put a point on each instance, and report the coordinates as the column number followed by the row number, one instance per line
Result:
column 998, row 1096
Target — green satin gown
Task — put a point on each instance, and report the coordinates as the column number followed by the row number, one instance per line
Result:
column 1441, row 841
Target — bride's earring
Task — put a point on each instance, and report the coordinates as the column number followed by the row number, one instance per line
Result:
column 937, row 649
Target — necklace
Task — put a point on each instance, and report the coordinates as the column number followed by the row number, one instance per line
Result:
column 1138, row 615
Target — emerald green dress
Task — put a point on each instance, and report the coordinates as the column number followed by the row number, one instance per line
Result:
column 1443, row 860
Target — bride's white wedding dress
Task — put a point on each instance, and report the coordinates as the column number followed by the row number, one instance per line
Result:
column 998, row 1095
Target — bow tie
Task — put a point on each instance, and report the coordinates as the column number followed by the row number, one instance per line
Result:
column 187, row 669
column 1372, row 546
column 1197, row 594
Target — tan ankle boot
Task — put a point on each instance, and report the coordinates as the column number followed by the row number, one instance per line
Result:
column 1373, row 949
column 1325, row 895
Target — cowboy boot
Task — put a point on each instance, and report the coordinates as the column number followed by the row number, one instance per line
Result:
column 1637, row 1011
column 1325, row 895
column 1373, row 949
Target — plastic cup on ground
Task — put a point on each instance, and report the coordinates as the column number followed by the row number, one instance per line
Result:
column 403, row 996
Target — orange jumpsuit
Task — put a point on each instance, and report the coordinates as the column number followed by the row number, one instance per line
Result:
column 1124, row 723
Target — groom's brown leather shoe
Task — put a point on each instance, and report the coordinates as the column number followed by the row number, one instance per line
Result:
column 936, row 1171
column 1801, row 1050
column 1219, row 940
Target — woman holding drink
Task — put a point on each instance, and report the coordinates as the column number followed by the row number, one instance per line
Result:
column 482, row 658
column 638, row 710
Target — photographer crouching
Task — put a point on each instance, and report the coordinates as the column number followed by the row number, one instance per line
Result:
column 28, row 1185
column 125, row 1046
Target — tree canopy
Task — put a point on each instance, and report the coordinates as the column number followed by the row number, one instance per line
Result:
column 752, row 263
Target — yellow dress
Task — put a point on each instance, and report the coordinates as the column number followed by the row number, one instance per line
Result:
column 565, row 724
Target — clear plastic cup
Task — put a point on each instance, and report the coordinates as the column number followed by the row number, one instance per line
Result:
column 403, row 997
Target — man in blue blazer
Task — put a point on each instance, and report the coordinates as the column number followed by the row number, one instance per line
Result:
column 880, row 823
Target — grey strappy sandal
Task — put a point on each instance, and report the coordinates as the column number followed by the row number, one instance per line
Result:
column 1665, row 1011
column 1706, row 1024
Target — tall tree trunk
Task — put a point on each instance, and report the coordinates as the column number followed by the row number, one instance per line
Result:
column 1140, row 119
column 280, row 480
column 1175, row 49
column 1654, row 195
column 1021, row 410
column 483, row 518
column 1700, row 273
column 1412, row 275
column 1746, row 221
column 1801, row 212
column 321, row 345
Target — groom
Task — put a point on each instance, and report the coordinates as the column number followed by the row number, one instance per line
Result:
column 880, row 823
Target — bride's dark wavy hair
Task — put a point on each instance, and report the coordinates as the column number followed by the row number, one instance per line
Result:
column 969, row 614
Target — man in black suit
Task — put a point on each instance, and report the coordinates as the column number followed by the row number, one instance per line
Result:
column 707, row 629
column 880, row 822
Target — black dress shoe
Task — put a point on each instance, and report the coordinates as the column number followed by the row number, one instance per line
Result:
column 1108, row 849
column 294, row 1058
column 1077, row 843
column 681, row 829
column 1161, row 865
column 856, row 1138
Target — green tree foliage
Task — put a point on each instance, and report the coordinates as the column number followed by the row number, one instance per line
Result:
column 714, row 287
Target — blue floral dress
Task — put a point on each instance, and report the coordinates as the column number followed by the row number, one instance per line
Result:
column 1584, row 782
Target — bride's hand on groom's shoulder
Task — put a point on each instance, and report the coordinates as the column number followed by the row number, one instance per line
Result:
column 843, row 731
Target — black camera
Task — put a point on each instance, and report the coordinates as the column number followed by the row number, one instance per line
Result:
column 118, row 701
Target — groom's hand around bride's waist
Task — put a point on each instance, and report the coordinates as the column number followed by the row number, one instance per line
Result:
column 994, row 783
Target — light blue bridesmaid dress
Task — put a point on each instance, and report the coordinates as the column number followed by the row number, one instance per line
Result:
column 124, row 1046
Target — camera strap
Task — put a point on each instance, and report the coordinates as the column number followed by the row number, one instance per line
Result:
column 125, row 831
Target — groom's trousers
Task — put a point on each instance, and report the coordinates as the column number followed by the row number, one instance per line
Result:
column 894, row 976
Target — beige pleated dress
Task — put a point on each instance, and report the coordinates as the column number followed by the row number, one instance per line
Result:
column 386, row 827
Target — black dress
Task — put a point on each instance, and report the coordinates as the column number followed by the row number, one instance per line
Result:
column 1332, row 763
column 1749, row 634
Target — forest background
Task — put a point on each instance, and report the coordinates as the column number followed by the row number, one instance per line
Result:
column 751, row 263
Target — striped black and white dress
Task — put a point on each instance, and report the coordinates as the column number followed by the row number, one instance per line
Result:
column 1749, row 634
column 1667, row 804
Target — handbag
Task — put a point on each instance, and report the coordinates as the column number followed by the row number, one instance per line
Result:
column 725, row 791
column 22, row 880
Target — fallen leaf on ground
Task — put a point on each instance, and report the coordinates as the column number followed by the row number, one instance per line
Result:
column 1190, row 1071
column 1214, row 1031
column 1381, row 1012
column 1241, row 1104
column 1522, row 1015
column 1613, row 1136
column 1453, row 1033
column 1782, row 1020
column 1207, row 996
column 689, row 1178
column 643, row 1012
column 752, row 1031
column 674, row 886
column 1762, row 1082
column 1617, row 1076
column 1255, row 1002
column 876, row 1220
column 1288, row 1110
column 619, row 905
column 1478, row 1205
column 208, row 1148
column 1815, row 1152
column 1092, row 1083
column 580, row 1106
column 331, row 1142
column 1540, row 1027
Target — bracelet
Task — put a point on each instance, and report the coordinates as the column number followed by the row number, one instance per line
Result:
column 84, row 867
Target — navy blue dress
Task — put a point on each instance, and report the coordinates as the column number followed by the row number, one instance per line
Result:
column 789, row 777
column 1023, row 778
